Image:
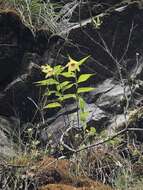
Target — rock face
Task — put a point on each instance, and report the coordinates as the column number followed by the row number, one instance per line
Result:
column 17, row 73
column 15, row 39
column 108, row 45
column 116, row 58
column 21, row 55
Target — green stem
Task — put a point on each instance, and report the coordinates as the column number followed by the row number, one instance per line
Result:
column 77, row 100
column 61, row 94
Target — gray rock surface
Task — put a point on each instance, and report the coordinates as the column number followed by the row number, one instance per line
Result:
column 8, row 128
column 6, row 146
column 111, row 102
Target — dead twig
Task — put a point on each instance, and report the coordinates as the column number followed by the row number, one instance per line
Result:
column 98, row 143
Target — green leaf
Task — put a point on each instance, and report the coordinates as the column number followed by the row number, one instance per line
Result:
column 81, row 103
column 84, row 77
column 83, row 116
column 85, row 89
column 62, row 85
column 53, row 105
column 58, row 94
column 92, row 131
column 48, row 93
column 68, row 74
column 46, row 82
column 58, row 69
column 83, row 60
column 67, row 96
column 68, row 87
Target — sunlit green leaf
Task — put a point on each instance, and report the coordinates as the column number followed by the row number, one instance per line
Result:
column 48, row 93
column 53, row 105
column 58, row 94
column 83, row 60
column 58, row 69
column 68, row 87
column 46, row 82
column 68, row 74
column 92, row 131
column 83, row 116
column 85, row 89
column 81, row 103
column 67, row 96
column 84, row 77
column 62, row 85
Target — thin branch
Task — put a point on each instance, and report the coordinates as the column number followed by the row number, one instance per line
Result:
column 109, row 139
column 98, row 143
column 62, row 141
column 118, row 8
column 128, row 43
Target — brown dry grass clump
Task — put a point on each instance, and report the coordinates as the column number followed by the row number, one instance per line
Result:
column 52, row 174
column 69, row 187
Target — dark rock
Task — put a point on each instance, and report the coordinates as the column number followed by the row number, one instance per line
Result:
column 18, row 97
column 15, row 39
column 109, row 43
column 98, row 119
column 20, row 61
column 41, row 41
